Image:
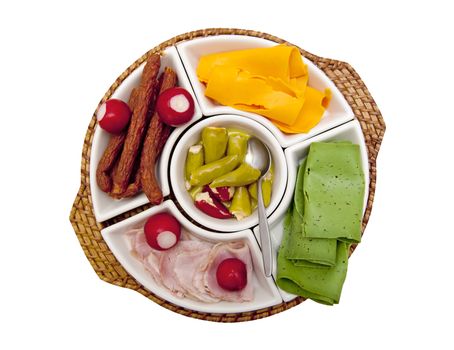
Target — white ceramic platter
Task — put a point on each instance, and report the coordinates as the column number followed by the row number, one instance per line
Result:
column 105, row 207
column 287, row 150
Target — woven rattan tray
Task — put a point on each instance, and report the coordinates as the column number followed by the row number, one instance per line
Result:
column 88, row 230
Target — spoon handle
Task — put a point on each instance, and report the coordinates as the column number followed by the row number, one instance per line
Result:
column 265, row 239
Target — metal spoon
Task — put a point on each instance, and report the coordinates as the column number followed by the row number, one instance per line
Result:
column 259, row 156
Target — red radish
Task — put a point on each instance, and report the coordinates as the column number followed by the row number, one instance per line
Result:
column 175, row 106
column 211, row 206
column 113, row 115
column 162, row 231
column 231, row 274
column 223, row 194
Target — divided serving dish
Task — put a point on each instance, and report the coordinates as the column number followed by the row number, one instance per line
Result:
column 115, row 217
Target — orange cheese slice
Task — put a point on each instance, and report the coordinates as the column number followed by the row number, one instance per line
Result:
column 269, row 81
column 254, row 93
column 279, row 61
column 310, row 115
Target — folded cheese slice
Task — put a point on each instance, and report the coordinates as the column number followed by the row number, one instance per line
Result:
column 334, row 188
column 254, row 93
column 311, row 113
column 280, row 61
column 323, row 285
column 303, row 251
column 272, row 82
column 312, row 252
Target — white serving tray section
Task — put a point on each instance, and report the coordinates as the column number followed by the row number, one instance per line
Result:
column 266, row 293
column 350, row 131
column 106, row 207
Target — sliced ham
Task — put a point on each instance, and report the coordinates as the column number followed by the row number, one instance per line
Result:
column 223, row 251
column 189, row 268
column 188, row 271
column 151, row 263
column 139, row 245
column 147, row 255
column 167, row 270
column 170, row 268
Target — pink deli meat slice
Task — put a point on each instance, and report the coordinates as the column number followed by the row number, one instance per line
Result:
column 147, row 255
column 139, row 245
column 169, row 267
column 220, row 252
column 189, row 269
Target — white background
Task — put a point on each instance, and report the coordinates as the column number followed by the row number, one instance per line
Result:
column 58, row 59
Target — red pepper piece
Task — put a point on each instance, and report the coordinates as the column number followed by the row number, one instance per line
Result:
column 222, row 194
column 210, row 206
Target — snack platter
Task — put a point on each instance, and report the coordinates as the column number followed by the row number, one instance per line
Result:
column 117, row 227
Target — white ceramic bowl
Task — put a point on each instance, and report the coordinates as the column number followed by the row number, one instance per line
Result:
column 338, row 112
column 350, row 131
column 265, row 290
column 191, row 137
column 105, row 207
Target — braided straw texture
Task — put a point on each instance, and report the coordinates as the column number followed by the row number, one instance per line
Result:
column 88, row 230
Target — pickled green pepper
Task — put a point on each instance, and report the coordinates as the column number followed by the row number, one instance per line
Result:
column 237, row 143
column 214, row 142
column 242, row 176
column 253, row 203
column 208, row 172
column 195, row 190
column 267, row 185
column 194, row 160
column 241, row 203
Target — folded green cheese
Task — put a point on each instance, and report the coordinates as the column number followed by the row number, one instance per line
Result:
column 298, row 196
column 323, row 285
column 324, row 218
column 333, row 192
column 303, row 251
